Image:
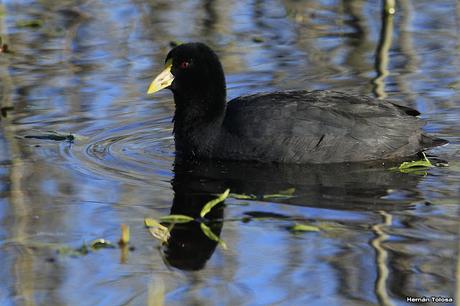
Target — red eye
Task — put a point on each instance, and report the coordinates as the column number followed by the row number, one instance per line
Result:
column 184, row 65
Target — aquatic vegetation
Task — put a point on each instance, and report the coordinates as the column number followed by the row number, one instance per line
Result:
column 211, row 204
column 303, row 228
column 53, row 135
column 157, row 230
column 208, row 232
column 176, row 219
column 415, row 166
column 125, row 235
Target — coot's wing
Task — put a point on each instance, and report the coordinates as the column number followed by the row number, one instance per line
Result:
column 318, row 126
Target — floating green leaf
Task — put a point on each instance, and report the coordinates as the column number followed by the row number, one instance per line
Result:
column 209, row 206
column 149, row 222
column 208, row 232
column 242, row 196
column 157, row 230
column 288, row 193
column 176, row 219
column 276, row 196
column 417, row 166
column 303, row 228
column 101, row 244
column 423, row 163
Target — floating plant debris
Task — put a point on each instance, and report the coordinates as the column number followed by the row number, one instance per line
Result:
column 209, row 206
column 51, row 135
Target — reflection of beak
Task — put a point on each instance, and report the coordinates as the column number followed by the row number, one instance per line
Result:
column 163, row 80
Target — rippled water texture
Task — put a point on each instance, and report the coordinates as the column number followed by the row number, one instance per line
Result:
column 82, row 68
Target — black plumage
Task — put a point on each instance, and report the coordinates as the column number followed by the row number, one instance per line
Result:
column 286, row 127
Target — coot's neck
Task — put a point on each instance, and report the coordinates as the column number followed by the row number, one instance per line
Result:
column 198, row 118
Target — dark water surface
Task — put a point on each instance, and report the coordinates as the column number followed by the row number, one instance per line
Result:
column 83, row 67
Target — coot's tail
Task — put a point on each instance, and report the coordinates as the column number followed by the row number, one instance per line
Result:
column 430, row 142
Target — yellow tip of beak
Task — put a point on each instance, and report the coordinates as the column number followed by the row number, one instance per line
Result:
column 163, row 80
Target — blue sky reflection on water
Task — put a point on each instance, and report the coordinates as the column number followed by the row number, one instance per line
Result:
column 85, row 70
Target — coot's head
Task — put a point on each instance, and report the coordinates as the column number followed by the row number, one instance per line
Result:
column 194, row 73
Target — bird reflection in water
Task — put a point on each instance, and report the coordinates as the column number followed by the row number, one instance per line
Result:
column 350, row 186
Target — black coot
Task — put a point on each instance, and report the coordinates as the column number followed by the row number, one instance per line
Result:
column 286, row 127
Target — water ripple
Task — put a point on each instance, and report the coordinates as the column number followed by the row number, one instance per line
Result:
column 136, row 151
